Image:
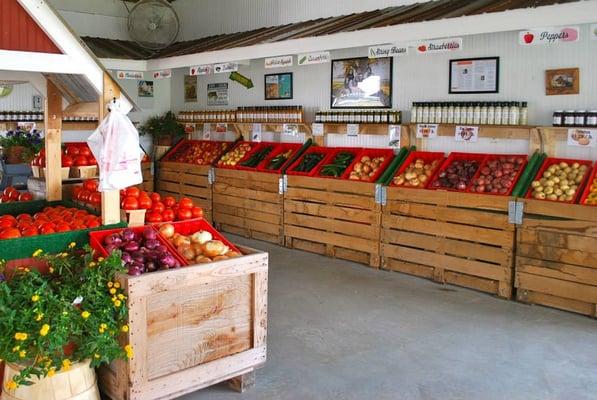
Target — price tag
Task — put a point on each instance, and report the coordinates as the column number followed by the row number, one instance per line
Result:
column 221, row 127
column 426, row 131
column 394, row 136
column 464, row 133
column 290, row 129
column 206, row 131
column 256, row 133
column 189, row 128
column 317, row 129
column 579, row 137
column 352, row 129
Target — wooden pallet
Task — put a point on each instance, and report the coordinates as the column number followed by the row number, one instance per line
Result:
column 337, row 218
column 556, row 256
column 186, row 180
column 462, row 239
column 191, row 328
column 248, row 203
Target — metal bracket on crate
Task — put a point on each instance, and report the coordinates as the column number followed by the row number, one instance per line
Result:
column 380, row 194
column 211, row 176
column 515, row 212
column 283, row 184
column 384, row 195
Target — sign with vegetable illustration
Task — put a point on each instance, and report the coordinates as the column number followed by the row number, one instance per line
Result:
column 314, row 58
column 466, row 133
column 542, row 36
column 582, row 137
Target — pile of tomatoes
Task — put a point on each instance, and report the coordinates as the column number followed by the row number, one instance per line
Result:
column 159, row 209
column 49, row 220
column 87, row 193
column 73, row 154
column 11, row 195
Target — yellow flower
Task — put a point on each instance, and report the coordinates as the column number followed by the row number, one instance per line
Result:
column 72, row 245
column 16, row 348
column 110, row 284
column 37, row 252
column 51, row 269
column 96, row 356
column 116, row 285
column 22, row 354
column 63, row 255
column 39, row 317
column 112, row 291
column 129, row 351
column 117, row 303
column 64, row 313
column 100, row 259
column 35, row 298
column 21, row 336
column 66, row 365
column 11, row 385
column 51, row 372
column 103, row 328
column 124, row 328
column 44, row 330
column 121, row 296
column 92, row 264
column 85, row 314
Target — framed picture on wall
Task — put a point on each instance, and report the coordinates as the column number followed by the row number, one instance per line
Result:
column 474, row 75
column 361, row 83
column 145, row 89
column 278, row 86
column 190, row 88
column 562, row 81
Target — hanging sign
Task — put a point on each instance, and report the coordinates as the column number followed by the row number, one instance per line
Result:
column 225, row 67
column 163, row 74
column 394, row 136
column 551, row 35
column 580, row 137
column 189, row 129
column 314, row 58
column 278, row 62
column 256, row 133
column 130, row 75
column 352, row 129
column 317, row 129
column 439, row 45
column 466, row 133
column 206, row 131
column 217, row 94
column 390, row 50
column 201, row 70
column 290, row 129
column 426, row 131
column 243, row 80
column 221, row 127
column 593, row 29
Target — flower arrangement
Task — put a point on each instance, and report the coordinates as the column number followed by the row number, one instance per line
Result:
column 75, row 312
column 164, row 127
column 29, row 144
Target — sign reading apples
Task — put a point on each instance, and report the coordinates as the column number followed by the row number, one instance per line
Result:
column 541, row 36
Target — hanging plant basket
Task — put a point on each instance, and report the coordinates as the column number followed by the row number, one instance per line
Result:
column 16, row 155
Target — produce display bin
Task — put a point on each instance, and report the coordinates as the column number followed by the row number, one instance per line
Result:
column 371, row 153
column 281, row 149
column 450, row 237
column 254, row 146
column 549, row 162
column 248, row 203
column 314, row 149
column 255, row 149
column 428, row 157
column 456, row 156
column 147, row 173
column 334, row 217
column 493, row 157
column 329, row 158
column 191, row 226
column 556, row 256
column 192, row 327
column 589, row 188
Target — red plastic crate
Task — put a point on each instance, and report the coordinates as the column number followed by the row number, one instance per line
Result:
column 552, row 160
column 96, row 240
column 184, row 143
column 254, row 145
column 480, row 157
column 587, row 190
column 316, row 149
column 191, row 226
column 282, row 148
column 514, row 181
column 333, row 151
column 371, row 153
column 261, row 146
column 428, row 157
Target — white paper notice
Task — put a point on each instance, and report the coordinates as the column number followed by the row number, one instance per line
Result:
column 317, row 129
column 426, row 131
column 206, row 131
column 466, row 133
column 394, row 136
column 579, row 137
column 474, row 76
column 256, row 133
column 352, row 129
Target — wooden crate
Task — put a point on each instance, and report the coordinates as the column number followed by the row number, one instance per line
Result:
column 463, row 239
column 556, row 256
column 337, row 218
column 191, row 328
column 248, row 203
column 186, row 180
column 147, row 184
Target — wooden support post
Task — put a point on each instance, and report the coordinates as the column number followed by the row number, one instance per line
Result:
column 243, row 382
column 53, row 139
column 110, row 200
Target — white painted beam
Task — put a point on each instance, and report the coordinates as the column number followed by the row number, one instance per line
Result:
column 126, row 65
column 38, row 62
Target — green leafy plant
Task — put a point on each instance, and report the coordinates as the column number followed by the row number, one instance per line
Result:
column 32, row 142
column 75, row 312
column 162, row 126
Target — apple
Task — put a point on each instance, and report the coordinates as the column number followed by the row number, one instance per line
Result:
column 528, row 37
column 422, row 48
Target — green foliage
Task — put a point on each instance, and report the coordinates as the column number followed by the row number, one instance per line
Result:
column 31, row 141
column 160, row 126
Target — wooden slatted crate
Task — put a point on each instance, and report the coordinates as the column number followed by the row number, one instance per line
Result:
column 556, row 256
column 337, row 218
column 147, row 173
column 463, row 239
column 248, row 203
column 191, row 328
column 186, row 180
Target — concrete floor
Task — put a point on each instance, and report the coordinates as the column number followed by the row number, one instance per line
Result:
column 339, row 330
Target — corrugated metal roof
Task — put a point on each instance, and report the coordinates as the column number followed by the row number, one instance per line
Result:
column 418, row 12
column 76, row 88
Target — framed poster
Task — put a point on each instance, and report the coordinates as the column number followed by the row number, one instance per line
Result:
column 145, row 89
column 475, row 75
column 562, row 81
column 217, row 94
column 190, row 88
column 278, row 86
column 361, row 83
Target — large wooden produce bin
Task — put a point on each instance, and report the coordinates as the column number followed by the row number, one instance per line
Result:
column 191, row 328
column 248, row 203
column 556, row 256
column 147, row 172
column 337, row 218
column 186, row 180
column 463, row 239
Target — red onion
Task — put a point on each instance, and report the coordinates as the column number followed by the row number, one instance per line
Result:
column 114, row 239
column 126, row 257
column 167, row 260
column 130, row 246
column 128, row 235
column 152, row 244
column 149, row 233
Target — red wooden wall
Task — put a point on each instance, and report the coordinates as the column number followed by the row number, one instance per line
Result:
column 18, row 31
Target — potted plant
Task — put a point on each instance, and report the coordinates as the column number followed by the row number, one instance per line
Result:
column 163, row 129
column 21, row 146
column 61, row 322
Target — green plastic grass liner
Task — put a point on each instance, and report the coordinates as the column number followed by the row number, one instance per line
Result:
column 531, row 175
column 297, row 155
column 396, row 163
column 523, row 178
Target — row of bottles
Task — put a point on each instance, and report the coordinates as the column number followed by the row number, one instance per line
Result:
column 79, row 118
column 359, row 117
column 207, row 116
column 282, row 114
column 575, row 118
column 477, row 113
column 21, row 116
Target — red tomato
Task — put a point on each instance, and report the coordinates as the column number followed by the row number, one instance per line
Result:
column 145, row 202
column 31, row 231
column 169, row 201
column 81, row 161
column 25, row 217
column 9, row 191
column 10, row 233
column 93, row 223
column 158, row 207
column 155, row 197
column 132, row 192
column 67, row 161
column 95, row 198
column 7, row 221
column 5, row 199
column 84, row 195
column 72, row 150
column 91, row 184
column 130, row 203
column 91, row 160
column 84, row 151
column 168, row 215
column 62, row 227
column 26, row 196
column 185, row 202
column 197, row 212
column 153, row 217
column 47, row 230
column 184, row 213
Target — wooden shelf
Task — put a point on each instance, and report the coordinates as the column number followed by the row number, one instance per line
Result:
column 364, row 129
column 66, row 125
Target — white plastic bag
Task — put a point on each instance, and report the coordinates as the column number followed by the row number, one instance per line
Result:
column 115, row 145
